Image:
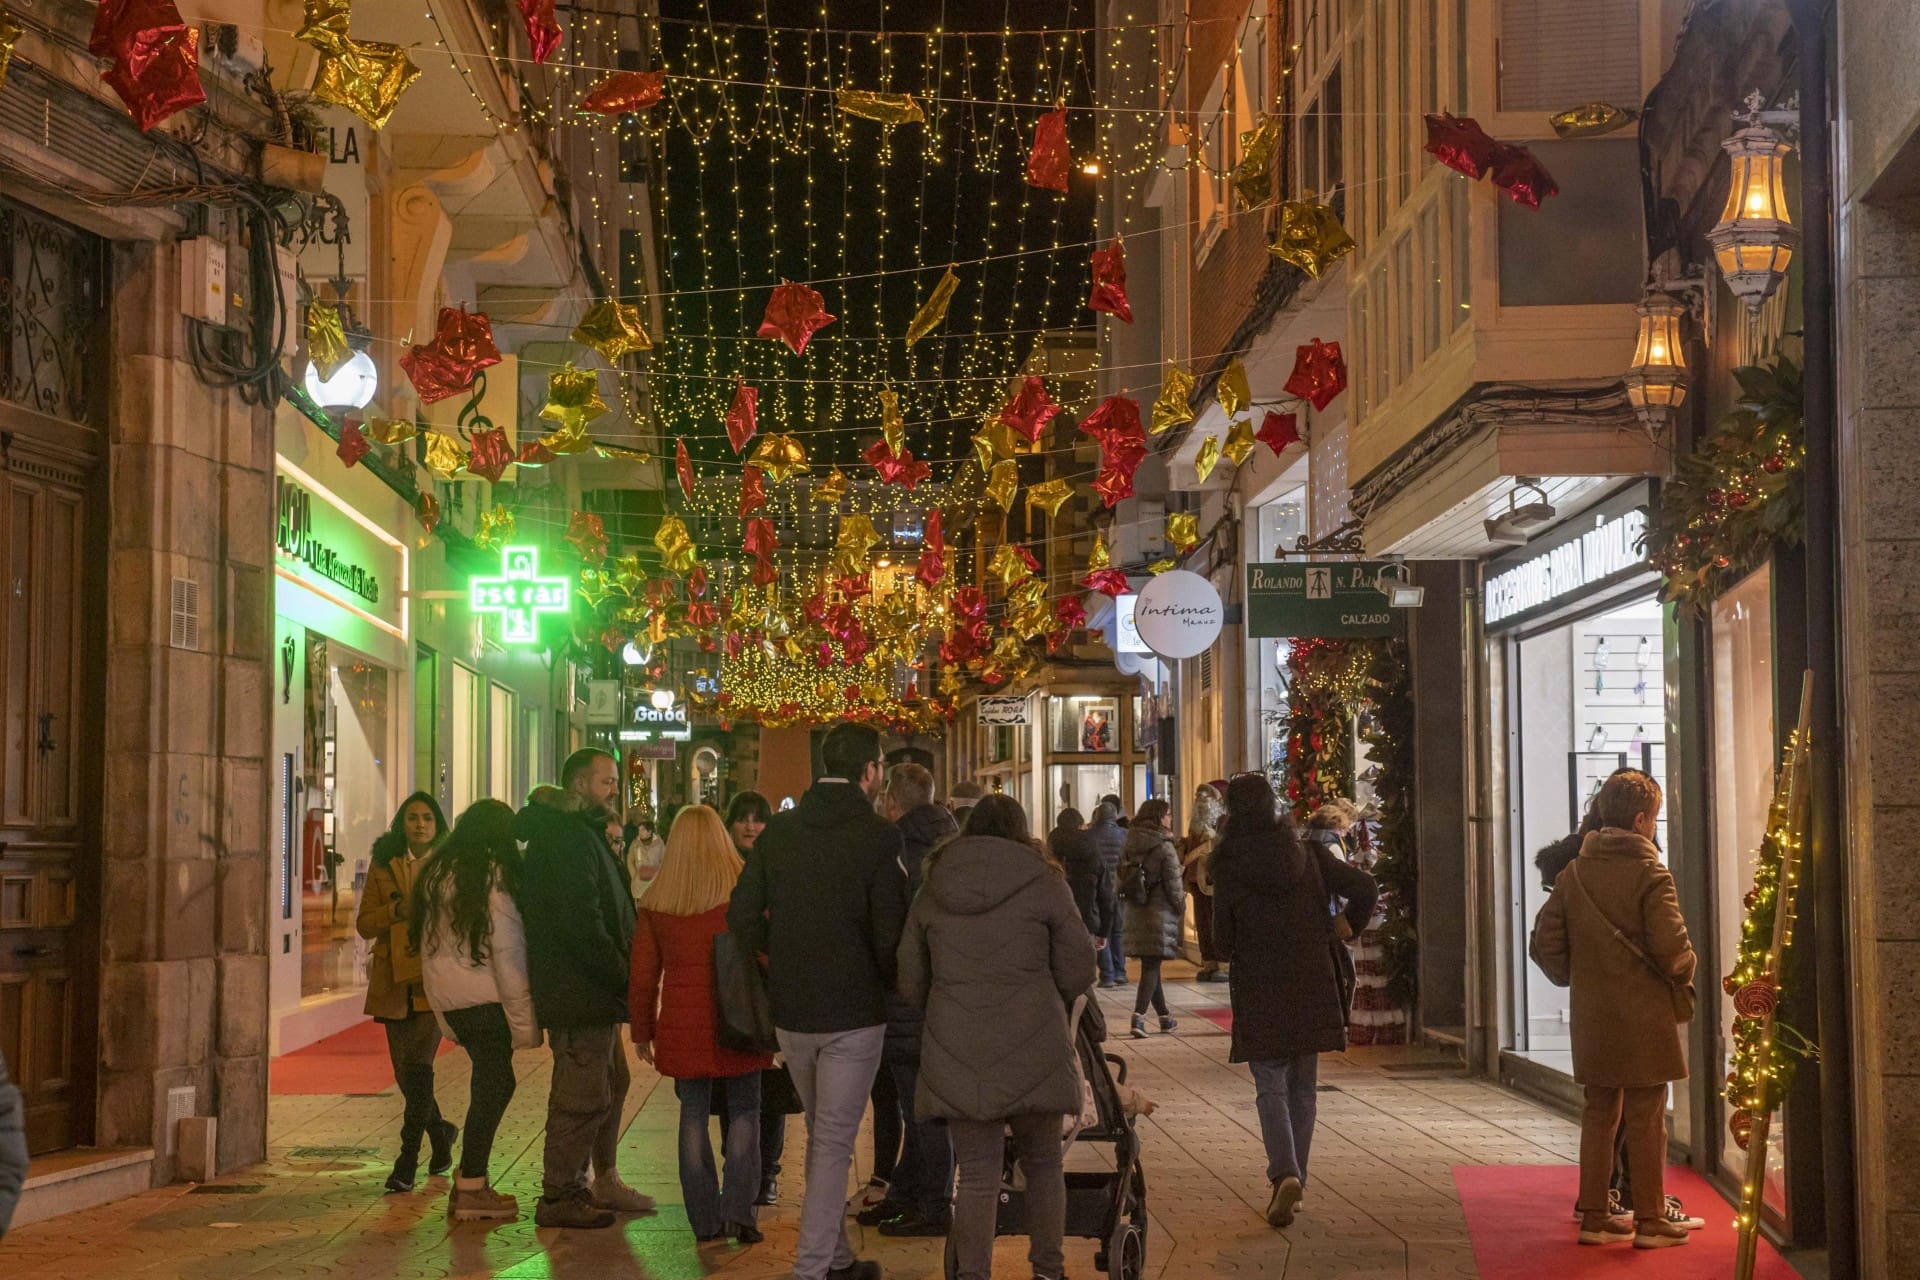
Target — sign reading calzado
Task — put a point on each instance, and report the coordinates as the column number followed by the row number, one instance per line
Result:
column 1299, row 599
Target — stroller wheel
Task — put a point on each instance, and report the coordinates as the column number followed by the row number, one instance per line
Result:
column 1126, row 1253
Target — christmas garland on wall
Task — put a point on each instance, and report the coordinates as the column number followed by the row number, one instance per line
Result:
column 1738, row 494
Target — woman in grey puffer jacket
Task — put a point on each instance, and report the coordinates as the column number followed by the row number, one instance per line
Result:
column 1156, row 907
column 996, row 952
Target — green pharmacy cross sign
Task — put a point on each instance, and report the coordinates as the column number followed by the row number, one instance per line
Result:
column 520, row 595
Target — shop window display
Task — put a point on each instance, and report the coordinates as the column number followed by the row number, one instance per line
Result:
column 349, row 799
column 1083, row 723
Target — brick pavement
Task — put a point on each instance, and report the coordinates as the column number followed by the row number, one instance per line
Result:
column 1381, row 1205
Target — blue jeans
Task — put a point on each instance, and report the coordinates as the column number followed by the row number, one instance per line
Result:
column 923, row 1179
column 1286, row 1095
column 1113, row 957
column 712, row 1204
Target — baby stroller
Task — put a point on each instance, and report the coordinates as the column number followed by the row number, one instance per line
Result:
column 1109, row 1206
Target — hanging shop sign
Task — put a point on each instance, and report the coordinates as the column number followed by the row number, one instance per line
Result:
column 1295, row 600
column 648, row 723
column 653, row 750
column 1589, row 552
column 603, row 702
column 1126, row 636
column 520, row 595
column 997, row 711
column 329, row 548
column 1179, row 614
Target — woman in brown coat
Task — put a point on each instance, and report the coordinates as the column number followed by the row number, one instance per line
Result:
column 396, row 991
column 1612, row 930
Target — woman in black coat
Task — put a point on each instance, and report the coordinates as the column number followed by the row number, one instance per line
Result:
column 1273, row 921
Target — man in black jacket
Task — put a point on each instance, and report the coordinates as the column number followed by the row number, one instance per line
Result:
column 825, row 898
column 1091, row 881
column 1106, row 838
column 578, row 913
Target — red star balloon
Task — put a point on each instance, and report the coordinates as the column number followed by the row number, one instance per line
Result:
column 933, row 552
column 1110, row 582
column 543, row 30
column 426, row 509
column 156, row 60
column 740, row 416
column 697, row 581
column 626, row 92
column 588, row 534
column 1459, row 143
column 1069, row 614
column 794, row 314
column 1116, row 425
column 1319, row 374
column 701, row 613
column 1516, row 172
column 461, row 347
column 1278, row 430
column 1029, row 410
column 1110, row 282
column 353, row 443
column 761, row 543
column 489, row 455
column 896, row 468
column 1049, row 160
column 683, row 468
column 753, row 491
column 1112, row 486
column 534, row 454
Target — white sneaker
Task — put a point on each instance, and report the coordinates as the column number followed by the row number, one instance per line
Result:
column 1679, row 1217
column 609, row 1191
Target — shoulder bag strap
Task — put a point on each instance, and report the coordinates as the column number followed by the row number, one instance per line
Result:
column 1573, row 874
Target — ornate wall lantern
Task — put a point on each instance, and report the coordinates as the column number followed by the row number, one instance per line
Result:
column 1657, row 379
column 1754, row 239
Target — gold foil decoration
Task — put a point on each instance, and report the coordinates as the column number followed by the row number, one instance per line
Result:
column 1170, row 408
column 327, row 347
column 1008, row 566
column 391, row 430
column 885, row 108
column 620, row 452
column 1239, row 442
column 445, row 457
column 1003, row 482
column 1253, row 176
column 934, row 310
column 366, row 77
column 1159, row 567
column 675, row 545
column 1310, row 237
column 1098, row 558
column 569, row 437
column 1209, row 458
column 950, row 681
column 1183, row 530
column 614, row 329
column 1027, row 612
column 10, row 31
column 780, row 456
column 1591, row 119
column 573, row 400
column 1232, row 390
column 851, row 543
column 893, row 427
column 496, row 528
column 1049, row 495
column 829, row 492
column 994, row 440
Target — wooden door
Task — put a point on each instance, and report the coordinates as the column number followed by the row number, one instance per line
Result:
column 43, row 957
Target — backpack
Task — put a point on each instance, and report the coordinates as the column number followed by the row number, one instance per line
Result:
column 1133, row 882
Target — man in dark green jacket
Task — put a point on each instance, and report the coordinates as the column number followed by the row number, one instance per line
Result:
column 578, row 912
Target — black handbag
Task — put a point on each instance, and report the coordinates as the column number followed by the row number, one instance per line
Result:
column 743, row 1015
column 1346, row 974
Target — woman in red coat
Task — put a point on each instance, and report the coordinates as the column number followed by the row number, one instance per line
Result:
column 671, row 994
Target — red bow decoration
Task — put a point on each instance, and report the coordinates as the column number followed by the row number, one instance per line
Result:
column 1278, row 430
column 683, row 467
column 896, row 468
column 1459, row 143
column 1112, row 486
column 1516, row 172
column 490, row 455
column 794, row 314
column 761, row 543
column 753, row 492
column 1028, row 410
column 156, row 62
column 461, row 347
column 1110, row 282
column 1111, row 582
column 535, row 454
column 1049, row 160
column 740, row 416
column 588, row 534
column 625, row 92
column 353, row 443
column 702, row 614
column 1116, row 425
column 543, row 30
column 933, row 553
column 1319, row 374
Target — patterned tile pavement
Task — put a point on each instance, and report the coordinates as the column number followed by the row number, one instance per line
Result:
column 1381, row 1205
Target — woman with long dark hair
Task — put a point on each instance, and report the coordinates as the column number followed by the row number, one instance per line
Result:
column 473, row 952
column 747, row 816
column 1273, row 924
column 997, row 952
column 396, row 991
column 1156, row 908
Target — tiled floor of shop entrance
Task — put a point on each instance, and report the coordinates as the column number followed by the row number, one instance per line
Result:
column 1382, row 1203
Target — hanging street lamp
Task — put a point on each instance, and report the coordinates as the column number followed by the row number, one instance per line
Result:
column 1754, row 240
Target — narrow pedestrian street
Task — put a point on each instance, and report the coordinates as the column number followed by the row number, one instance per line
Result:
column 1393, row 1123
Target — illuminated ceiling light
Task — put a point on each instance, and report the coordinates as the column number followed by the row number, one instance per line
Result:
column 1520, row 521
column 1396, row 584
column 1657, row 379
column 634, row 656
column 352, row 385
column 1753, row 241
column 662, row 699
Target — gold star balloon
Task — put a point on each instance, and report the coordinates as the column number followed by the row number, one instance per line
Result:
column 614, row 329
column 1159, row 567
column 1239, row 441
column 1003, row 482
column 366, row 77
column 573, row 400
column 829, row 492
column 1208, row 458
column 893, row 427
column 1310, row 236
column 1183, row 530
column 1591, row 119
column 10, row 32
column 855, row 537
column 445, row 457
column 1009, row 565
column 992, row 441
column 675, row 545
column 1231, row 390
column 885, row 108
column 1253, row 176
column 1049, row 495
column 1170, row 408
column 1098, row 558
column 327, row 347
column 934, row 310
column 496, row 528
column 780, row 456
column 391, row 430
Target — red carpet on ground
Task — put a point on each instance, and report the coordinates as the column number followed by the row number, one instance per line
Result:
column 350, row 1061
column 1219, row 1015
column 1521, row 1221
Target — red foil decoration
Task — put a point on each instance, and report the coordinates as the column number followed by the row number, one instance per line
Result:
column 1319, row 374
column 794, row 314
column 697, row 582
column 535, row 454
column 1110, row 282
column 1112, row 486
column 1459, row 143
column 896, row 468
column 1111, row 582
column 740, row 416
column 1028, row 410
column 490, row 455
column 461, row 347
column 760, row 543
column 1516, row 172
column 543, row 29
column 1116, row 425
column 1049, row 160
column 588, row 534
column 683, row 468
column 1278, row 430
column 354, row 444
column 426, row 509
column 626, row 92
column 156, row 62
column 932, row 568
column 753, row 491
column 1069, row 614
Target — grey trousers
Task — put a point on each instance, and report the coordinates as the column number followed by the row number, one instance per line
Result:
column 583, row 1106
column 979, row 1149
column 833, row 1073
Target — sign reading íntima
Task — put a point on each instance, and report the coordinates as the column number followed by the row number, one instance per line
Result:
column 1178, row 614
column 1303, row 599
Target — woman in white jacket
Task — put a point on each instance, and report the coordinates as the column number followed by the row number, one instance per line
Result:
column 474, row 960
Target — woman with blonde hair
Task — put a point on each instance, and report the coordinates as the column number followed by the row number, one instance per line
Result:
column 672, row 1006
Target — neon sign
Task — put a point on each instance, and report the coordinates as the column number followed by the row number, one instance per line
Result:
column 520, row 595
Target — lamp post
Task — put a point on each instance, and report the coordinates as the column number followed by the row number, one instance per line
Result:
column 1754, row 240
